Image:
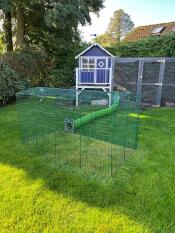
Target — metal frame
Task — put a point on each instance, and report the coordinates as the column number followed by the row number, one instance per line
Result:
column 145, row 59
column 161, row 76
column 139, row 81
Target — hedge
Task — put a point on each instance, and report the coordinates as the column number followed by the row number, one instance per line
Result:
column 153, row 46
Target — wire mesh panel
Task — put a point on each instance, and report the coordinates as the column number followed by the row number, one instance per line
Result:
column 92, row 135
column 126, row 75
column 152, row 82
column 149, row 95
column 169, row 73
column 151, row 72
column 168, row 96
column 152, row 78
column 168, row 90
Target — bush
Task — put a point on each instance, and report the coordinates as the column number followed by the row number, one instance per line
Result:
column 64, row 63
column 61, row 78
column 30, row 64
column 9, row 83
column 36, row 69
column 152, row 46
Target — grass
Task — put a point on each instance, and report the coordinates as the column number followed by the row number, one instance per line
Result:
column 39, row 195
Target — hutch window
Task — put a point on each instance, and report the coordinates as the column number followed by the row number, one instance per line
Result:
column 88, row 63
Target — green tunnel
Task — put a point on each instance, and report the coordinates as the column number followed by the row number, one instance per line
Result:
column 71, row 126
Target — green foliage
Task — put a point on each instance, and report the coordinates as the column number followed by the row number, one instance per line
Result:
column 55, row 25
column 61, row 78
column 62, row 73
column 2, row 47
column 120, row 24
column 105, row 40
column 6, row 5
column 52, row 25
column 152, row 46
column 9, row 82
column 29, row 64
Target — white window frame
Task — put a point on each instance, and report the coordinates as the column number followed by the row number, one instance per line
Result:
column 88, row 63
column 95, row 61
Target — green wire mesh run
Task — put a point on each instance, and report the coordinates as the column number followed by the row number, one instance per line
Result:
column 94, row 130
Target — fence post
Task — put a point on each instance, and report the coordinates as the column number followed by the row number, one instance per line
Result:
column 139, row 81
column 77, row 85
column 161, row 77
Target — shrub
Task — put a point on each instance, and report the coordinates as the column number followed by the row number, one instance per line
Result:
column 61, row 78
column 9, row 82
column 30, row 64
column 64, row 63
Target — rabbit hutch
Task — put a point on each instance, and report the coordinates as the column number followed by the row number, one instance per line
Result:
column 95, row 70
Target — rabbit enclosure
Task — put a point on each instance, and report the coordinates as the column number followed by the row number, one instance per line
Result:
column 150, row 77
column 97, row 135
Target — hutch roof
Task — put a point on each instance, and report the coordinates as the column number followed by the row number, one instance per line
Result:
column 95, row 50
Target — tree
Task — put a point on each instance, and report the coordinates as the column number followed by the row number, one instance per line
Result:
column 2, row 47
column 20, row 26
column 6, row 8
column 41, row 20
column 8, row 31
column 105, row 40
column 51, row 26
column 120, row 24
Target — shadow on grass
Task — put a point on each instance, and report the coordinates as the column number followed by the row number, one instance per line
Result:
column 141, row 189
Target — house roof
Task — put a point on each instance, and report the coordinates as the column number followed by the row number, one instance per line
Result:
column 145, row 31
column 92, row 47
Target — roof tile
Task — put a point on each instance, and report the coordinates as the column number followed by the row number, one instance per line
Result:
column 144, row 31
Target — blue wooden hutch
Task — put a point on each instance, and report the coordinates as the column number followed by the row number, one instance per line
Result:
column 95, row 69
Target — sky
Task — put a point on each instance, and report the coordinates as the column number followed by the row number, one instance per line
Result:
column 142, row 12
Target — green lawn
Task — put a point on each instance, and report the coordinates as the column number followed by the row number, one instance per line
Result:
column 38, row 195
